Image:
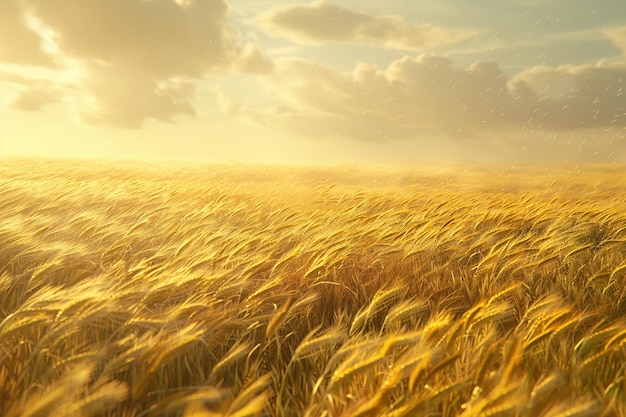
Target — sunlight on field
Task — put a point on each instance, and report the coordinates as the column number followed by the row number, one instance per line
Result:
column 231, row 290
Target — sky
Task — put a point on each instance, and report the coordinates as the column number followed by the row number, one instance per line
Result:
column 315, row 82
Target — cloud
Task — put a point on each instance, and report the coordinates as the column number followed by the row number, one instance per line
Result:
column 428, row 97
column 127, row 99
column 320, row 22
column 20, row 43
column 252, row 61
column 34, row 98
column 160, row 37
column 573, row 96
column 120, row 61
column 617, row 35
column 33, row 92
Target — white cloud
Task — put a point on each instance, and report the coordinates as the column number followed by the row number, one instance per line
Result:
column 125, row 97
column 617, row 35
column 20, row 43
column 573, row 96
column 427, row 97
column 253, row 61
column 160, row 37
column 321, row 21
column 34, row 98
column 129, row 59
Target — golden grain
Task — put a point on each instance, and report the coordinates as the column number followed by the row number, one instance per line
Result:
column 232, row 290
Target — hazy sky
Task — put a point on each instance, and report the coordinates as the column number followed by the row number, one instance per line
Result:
column 315, row 82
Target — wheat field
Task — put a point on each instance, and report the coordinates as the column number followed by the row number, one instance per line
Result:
column 152, row 289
